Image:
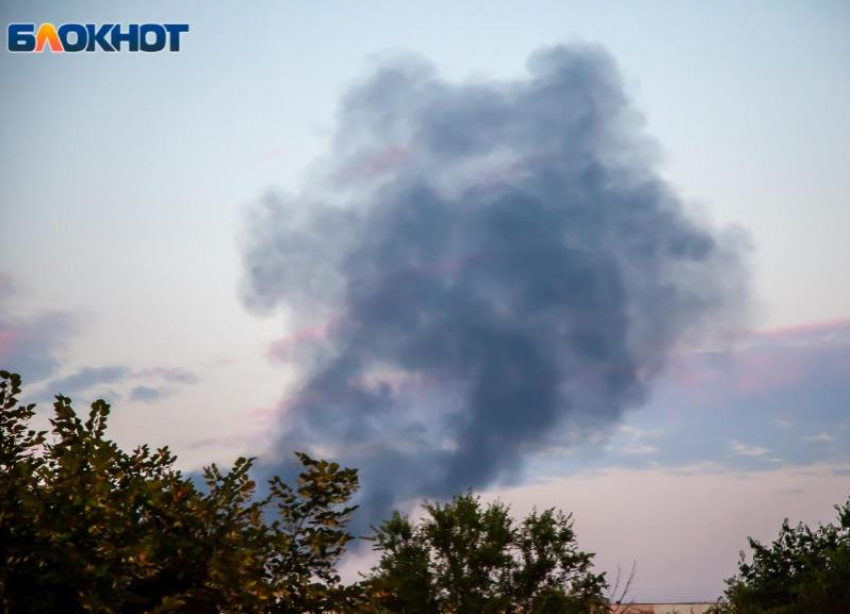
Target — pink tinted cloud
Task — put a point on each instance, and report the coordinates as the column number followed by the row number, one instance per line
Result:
column 789, row 355
column 289, row 403
column 283, row 348
column 775, row 358
column 375, row 165
column 230, row 441
column 7, row 341
column 694, row 372
column 7, row 283
column 826, row 329
column 768, row 369
column 263, row 413
column 768, row 359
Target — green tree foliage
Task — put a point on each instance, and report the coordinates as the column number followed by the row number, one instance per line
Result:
column 468, row 558
column 803, row 571
column 87, row 527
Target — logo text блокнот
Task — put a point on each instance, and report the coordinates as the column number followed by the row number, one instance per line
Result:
column 76, row 37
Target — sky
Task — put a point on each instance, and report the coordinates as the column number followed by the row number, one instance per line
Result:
column 135, row 192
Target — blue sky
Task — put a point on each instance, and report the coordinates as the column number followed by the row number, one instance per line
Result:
column 126, row 181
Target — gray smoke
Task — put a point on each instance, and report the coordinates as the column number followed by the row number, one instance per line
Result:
column 486, row 266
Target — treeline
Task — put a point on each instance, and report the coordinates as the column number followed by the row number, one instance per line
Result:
column 88, row 527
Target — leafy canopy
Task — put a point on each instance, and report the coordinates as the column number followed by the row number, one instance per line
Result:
column 87, row 527
column 468, row 558
column 803, row 571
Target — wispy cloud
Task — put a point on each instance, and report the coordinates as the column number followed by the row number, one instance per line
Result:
column 743, row 449
column 766, row 360
column 89, row 377
column 155, row 383
column 147, row 394
column 175, row 375
column 774, row 401
column 635, row 444
column 639, row 450
column 32, row 344
column 836, row 329
column 822, row 437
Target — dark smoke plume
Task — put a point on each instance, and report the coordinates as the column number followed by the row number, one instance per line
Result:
column 485, row 267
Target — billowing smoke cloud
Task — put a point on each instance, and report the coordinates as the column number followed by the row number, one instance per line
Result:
column 485, row 267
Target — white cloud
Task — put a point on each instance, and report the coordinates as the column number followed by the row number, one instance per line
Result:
column 558, row 451
column 743, row 449
column 641, row 433
column 640, row 450
column 822, row 437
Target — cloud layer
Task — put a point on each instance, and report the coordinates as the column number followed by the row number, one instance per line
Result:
column 782, row 397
